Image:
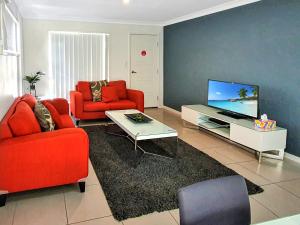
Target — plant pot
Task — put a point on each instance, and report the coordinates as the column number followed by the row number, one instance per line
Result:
column 32, row 88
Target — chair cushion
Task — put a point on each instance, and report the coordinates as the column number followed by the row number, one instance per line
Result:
column 54, row 114
column 23, row 121
column 91, row 106
column 29, row 99
column 109, row 94
column 44, row 117
column 85, row 89
column 96, row 88
column 122, row 104
column 121, row 88
column 67, row 121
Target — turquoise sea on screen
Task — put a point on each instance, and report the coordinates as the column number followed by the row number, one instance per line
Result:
column 247, row 107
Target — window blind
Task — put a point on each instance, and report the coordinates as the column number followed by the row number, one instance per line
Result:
column 76, row 57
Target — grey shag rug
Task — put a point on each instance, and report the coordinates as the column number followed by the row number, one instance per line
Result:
column 136, row 184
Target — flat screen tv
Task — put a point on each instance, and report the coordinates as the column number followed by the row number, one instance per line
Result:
column 234, row 99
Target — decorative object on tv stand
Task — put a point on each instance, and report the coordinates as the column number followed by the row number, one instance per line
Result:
column 32, row 80
column 264, row 123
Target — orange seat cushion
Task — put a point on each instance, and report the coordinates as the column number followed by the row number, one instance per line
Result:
column 122, row 104
column 121, row 88
column 109, row 94
column 29, row 99
column 67, row 121
column 23, row 121
column 85, row 89
column 91, row 106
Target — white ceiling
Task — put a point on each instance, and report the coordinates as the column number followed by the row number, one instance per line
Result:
column 137, row 11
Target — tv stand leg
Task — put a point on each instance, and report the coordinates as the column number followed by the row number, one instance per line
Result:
column 279, row 156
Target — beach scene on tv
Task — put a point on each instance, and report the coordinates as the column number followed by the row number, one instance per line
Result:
column 234, row 97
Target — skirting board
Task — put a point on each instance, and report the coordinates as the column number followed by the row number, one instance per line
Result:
column 292, row 157
column 286, row 155
column 171, row 110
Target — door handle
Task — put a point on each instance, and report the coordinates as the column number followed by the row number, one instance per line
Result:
column 133, row 72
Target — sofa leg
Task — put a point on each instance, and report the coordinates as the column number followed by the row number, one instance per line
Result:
column 77, row 123
column 82, row 186
column 3, row 200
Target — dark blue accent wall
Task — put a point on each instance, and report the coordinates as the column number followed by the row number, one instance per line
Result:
column 257, row 43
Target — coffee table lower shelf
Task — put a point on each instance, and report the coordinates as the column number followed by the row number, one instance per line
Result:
column 121, row 133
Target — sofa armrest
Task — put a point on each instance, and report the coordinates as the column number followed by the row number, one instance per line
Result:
column 61, row 105
column 43, row 159
column 76, row 102
column 137, row 97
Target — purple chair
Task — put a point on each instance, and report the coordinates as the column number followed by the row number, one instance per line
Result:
column 223, row 201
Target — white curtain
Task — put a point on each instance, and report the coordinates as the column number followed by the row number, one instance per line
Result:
column 76, row 57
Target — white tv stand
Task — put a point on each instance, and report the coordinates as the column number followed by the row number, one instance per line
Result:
column 240, row 131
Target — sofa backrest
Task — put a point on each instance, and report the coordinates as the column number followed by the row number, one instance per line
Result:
column 5, row 131
column 84, row 88
column 29, row 99
column 121, row 88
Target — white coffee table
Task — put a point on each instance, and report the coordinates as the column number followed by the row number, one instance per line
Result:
column 140, row 131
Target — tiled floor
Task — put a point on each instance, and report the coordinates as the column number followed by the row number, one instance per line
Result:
column 65, row 205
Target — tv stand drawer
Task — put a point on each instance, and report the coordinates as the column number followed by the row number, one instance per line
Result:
column 258, row 140
column 189, row 115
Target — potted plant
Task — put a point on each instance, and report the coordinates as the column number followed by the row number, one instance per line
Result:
column 32, row 80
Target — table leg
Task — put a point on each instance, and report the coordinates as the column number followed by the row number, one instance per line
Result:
column 135, row 144
column 260, row 156
column 177, row 146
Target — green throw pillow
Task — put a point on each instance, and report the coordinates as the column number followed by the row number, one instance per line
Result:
column 96, row 87
column 44, row 117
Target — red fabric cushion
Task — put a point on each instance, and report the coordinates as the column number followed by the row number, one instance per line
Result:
column 67, row 121
column 122, row 104
column 54, row 114
column 109, row 94
column 60, row 104
column 121, row 88
column 23, row 121
column 95, row 106
column 85, row 89
column 29, row 99
column 5, row 131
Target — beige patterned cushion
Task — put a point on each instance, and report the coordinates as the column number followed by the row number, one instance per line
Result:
column 96, row 87
column 44, row 117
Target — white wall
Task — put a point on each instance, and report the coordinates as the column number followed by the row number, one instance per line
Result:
column 36, row 45
column 9, row 75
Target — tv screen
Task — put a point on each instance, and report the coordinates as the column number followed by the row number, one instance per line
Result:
column 234, row 97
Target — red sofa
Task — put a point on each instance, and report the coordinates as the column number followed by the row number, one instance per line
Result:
column 31, row 159
column 83, row 107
